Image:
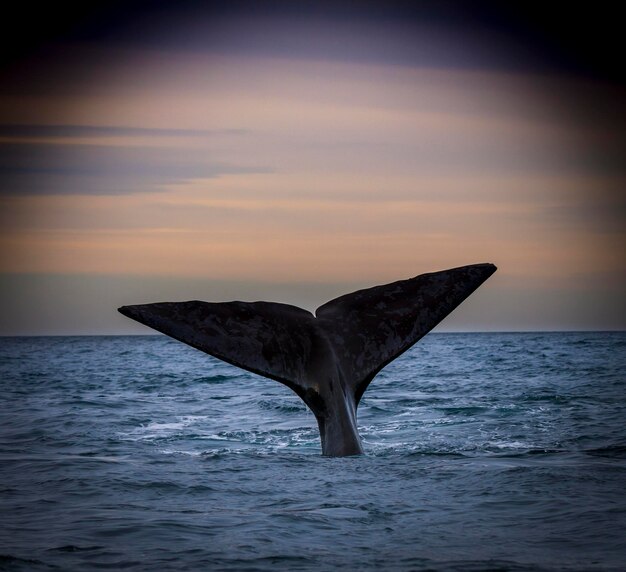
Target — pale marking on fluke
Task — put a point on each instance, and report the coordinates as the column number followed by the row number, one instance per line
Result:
column 328, row 359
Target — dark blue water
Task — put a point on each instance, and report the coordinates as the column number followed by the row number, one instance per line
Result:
column 483, row 452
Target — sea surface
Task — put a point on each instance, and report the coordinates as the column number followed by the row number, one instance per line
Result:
column 483, row 452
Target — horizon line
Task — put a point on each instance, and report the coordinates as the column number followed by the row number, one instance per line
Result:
column 157, row 334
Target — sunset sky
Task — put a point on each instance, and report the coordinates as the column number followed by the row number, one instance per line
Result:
column 294, row 152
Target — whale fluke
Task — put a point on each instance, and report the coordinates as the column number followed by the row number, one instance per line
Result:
column 328, row 359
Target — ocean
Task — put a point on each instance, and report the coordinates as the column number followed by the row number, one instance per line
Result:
column 488, row 451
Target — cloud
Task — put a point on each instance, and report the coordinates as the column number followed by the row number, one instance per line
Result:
column 49, row 169
column 20, row 131
column 451, row 33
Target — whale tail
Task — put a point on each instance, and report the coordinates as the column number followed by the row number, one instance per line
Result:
column 328, row 359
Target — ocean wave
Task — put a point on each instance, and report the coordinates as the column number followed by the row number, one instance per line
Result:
column 138, row 454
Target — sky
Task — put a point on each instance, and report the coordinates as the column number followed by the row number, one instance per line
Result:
column 295, row 151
